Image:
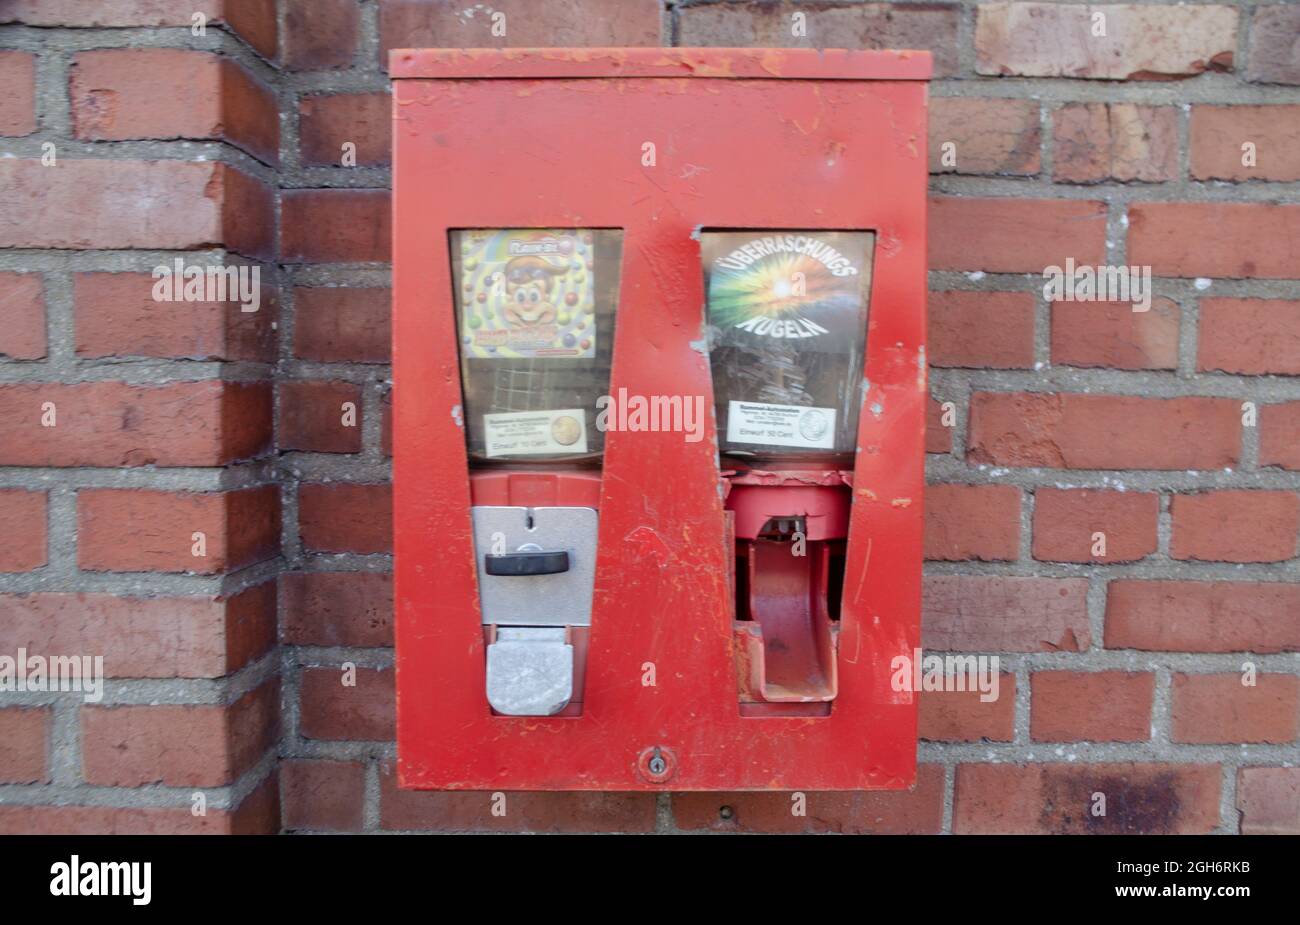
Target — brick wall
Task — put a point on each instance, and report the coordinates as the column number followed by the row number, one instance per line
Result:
column 1050, row 422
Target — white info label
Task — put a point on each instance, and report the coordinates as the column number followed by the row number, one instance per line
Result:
column 780, row 425
column 535, row 433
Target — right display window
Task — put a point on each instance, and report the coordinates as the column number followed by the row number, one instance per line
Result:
column 787, row 319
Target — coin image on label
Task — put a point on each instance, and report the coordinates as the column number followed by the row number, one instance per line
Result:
column 812, row 424
column 566, row 431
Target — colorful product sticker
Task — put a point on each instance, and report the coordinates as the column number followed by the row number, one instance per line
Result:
column 535, row 433
column 527, row 293
column 780, row 425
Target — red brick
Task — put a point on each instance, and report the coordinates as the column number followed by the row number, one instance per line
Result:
column 107, row 13
column 1092, row 142
column 1066, row 519
column 334, row 711
column 1235, row 526
column 312, row 416
column 320, row 33
column 471, row 811
column 1217, row 708
column 938, row 438
column 120, row 204
column 1058, row 799
column 128, row 93
column 1269, row 801
column 1112, row 335
column 18, row 105
column 972, row 522
column 337, row 608
column 325, row 796
column 445, row 24
column 1141, row 41
column 1091, row 706
column 915, row 811
column 1279, row 435
column 981, row 329
column 1232, row 240
column 1079, row 431
column 206, row 745
column 157, row 637
column 327, row 122
column 117, row 315
column 1203, row 616
column 204, row 423
column 134, row 530
column 346, row 517
column 253, row 21
column 23, row 525
column 962, row 716
column 111, row 820
column 993, row 613
column 335, row 226
column 1272, row 57
column 1015, row 235
column 342, row 325
column 22, row 302
column 24, row 745
column 1218, row 134
column 989, row 136
column 1251, row 336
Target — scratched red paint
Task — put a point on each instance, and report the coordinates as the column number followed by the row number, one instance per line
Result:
column 745, row 139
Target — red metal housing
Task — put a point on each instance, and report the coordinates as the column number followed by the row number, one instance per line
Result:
column 745, row 139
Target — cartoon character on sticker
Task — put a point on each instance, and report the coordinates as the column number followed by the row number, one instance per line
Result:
column 530, row 290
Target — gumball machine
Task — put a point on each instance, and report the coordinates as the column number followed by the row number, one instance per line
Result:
column 787, row 317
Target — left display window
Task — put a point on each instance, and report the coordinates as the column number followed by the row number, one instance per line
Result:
column 535, row 312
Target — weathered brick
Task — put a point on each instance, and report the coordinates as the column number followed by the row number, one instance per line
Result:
column 1059, row 799
column 335, row 226
column 342, row 325
column 1112, row 335
column 204, row 423
column 938, row 438
column 962, row 716
column 1092, row 142
column 1269, row 801
column 337, row 608
column 994, row 613
column 363, row 711
column 1279, row 435
column 23, row 526
column 1218, row 134
column 116, row 314
column 1219, row 708
column 315, row 416
column 326, row 123
column 178, row 746
column 326, row 796
column 346, row 517
column 915, row 811
column 972, row 522
column 1273, row 57
column 1252, row 336
column 1139, row 41
column 1203, row 616
column 988, row 136
column 25, row 744
column 320, row 34
column 18, row 105
column 992, row 330
column 135, row 530
column 1091, row 706
column 1078, row 431
column 1227, row 240
column 1067, row 520
column 1014, row 235
column 145, row 637
column 111, row 203
column 22, row 302
column 1235, row 526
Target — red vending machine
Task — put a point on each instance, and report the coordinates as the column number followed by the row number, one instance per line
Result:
column 660, row 392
